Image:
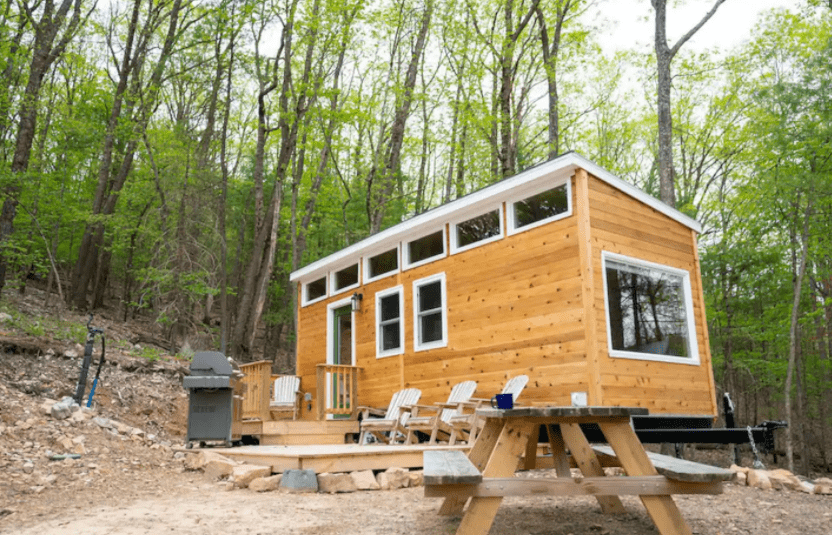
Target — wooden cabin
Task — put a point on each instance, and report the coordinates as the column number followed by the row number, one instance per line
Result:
column 563, row 272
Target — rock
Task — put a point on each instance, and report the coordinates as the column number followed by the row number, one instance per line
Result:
column 64, row 408
column 245, row 473
column 70, row 354
column 394, row 478
column 759, row 479
column 784, row 479
column 78, row 416
column 265, row 484
column 417, row 478
column 124, row 429
column 823, row 481
column 28, row 468
column 217, row 468
column 740, row 478
column 365, row 480
column 79, row 449
column 299, row 481
column 334, row 483
column 46, row 406
column 66, row 443
column 80, row 439
column 5, row 317
column 102, row 422
column 806, row 487
column 822, row 488
column 197, row 461
column 735, row 468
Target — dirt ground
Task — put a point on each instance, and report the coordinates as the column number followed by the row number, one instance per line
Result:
column 128, row 478
column 189, row 504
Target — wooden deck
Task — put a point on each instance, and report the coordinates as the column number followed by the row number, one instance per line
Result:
column 335, row 458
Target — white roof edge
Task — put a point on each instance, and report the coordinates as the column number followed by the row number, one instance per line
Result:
column 567, row 162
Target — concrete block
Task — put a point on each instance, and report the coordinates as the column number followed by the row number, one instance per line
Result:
column 299, row 481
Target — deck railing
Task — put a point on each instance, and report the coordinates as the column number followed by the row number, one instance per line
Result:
column 256, row 389
column 337, row 390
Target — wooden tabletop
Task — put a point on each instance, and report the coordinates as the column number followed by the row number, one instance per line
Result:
column 563, row 412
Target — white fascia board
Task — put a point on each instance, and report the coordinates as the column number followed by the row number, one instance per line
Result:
column 561, row 165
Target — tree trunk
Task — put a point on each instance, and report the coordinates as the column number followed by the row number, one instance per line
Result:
column 664, row 57
column 392, row 165
column 44, row 54
column 109, row 187
column 793, row 331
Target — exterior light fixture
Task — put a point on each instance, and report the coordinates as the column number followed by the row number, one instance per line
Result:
column 356, row 301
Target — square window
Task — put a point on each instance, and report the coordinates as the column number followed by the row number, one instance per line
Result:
column 649, row 311
column 315, row 290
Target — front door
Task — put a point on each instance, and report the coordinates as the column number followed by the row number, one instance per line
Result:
column 342, row 331
column 342, row 344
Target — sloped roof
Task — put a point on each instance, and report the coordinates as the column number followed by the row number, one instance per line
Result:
column 561, row 166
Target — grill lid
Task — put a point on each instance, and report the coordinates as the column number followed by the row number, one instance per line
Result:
column 210, row 363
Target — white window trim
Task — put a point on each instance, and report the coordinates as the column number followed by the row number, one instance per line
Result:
column 457, row 249
column 406, row 250
column 334, row 272
column 531, row 193
column 366, row 263
column 379, row 296
column 693, row 346
column 304, row 288
column 439, row 343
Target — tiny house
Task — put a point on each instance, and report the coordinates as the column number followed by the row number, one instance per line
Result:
column 563, row 272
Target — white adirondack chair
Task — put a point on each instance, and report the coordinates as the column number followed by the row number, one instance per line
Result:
column 286, row 398
column 439, row 421
column 391, row 423
column 468, row 423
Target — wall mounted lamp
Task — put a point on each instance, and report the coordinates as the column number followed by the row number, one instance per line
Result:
column 356, row 301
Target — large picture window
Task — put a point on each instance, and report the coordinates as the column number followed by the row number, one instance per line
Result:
column 389, row 323
column 430, row 325
column 649, row 310
column 543, row 207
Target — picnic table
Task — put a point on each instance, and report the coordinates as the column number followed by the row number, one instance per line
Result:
column 486, row 474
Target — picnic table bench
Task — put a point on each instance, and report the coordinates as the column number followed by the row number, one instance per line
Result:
column 486, row 474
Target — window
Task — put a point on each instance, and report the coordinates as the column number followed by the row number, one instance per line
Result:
column 389, row 324
column 314, row 291
column 381, row 264
column 649, row 311
column 345, row 279
column 535, row 210
column 476, row 231
column 430, row 325
column 425, row 249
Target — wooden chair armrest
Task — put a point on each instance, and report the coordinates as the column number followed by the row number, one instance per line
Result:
column 371, row 411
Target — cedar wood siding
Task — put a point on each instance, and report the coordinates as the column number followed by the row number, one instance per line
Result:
column 621, row 224
column 516, row 306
